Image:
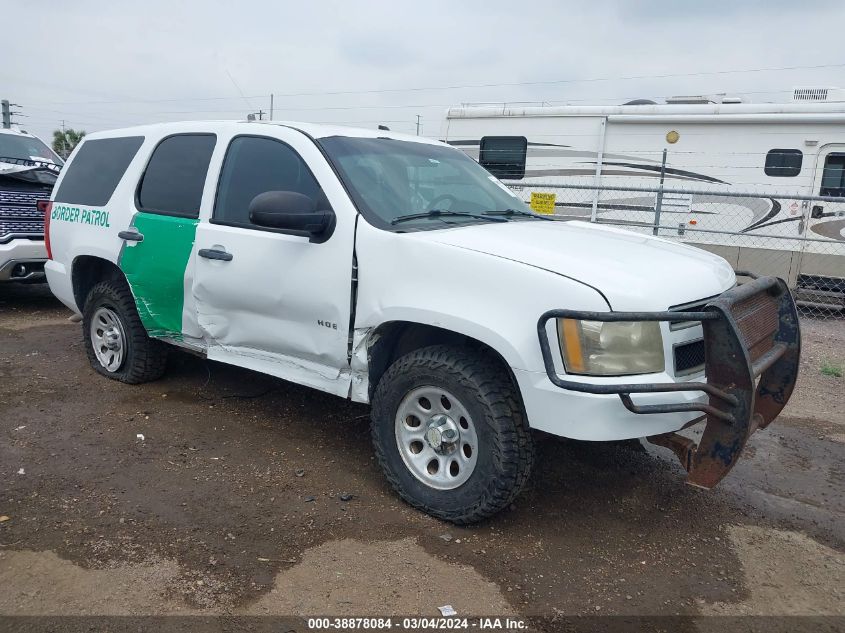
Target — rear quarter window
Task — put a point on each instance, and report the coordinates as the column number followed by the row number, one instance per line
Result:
column 93, row 174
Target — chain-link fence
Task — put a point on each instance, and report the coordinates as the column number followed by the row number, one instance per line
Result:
column 796, row 237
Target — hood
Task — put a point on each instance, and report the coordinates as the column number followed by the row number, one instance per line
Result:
column 43, row 174
column 9, row 168
column 633, row 271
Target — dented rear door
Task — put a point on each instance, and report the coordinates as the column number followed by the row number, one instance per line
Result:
column 158, row 243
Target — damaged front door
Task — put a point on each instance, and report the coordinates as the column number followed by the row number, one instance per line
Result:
column 270, row 300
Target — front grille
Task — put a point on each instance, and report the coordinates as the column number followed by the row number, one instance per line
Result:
column 689, row 357
column 25, row 198
column 19, row 214
column 758, row 321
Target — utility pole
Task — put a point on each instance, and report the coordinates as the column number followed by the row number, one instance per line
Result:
column 418, row 125
column 271, row 106
column 6, row 108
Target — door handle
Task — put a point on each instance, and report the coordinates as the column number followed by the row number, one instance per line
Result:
column 132, row 235
column 213, row 253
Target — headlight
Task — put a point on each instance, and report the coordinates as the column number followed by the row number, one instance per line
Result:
column 599, row 348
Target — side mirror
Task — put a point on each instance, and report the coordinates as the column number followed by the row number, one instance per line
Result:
column 291, row 211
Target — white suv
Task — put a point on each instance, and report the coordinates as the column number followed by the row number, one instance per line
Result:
column 395, row 270
column 28, row 171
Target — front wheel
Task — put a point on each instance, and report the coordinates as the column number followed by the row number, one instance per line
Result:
column 450, row 433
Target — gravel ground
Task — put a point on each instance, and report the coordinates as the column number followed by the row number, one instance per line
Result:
column 211, row 511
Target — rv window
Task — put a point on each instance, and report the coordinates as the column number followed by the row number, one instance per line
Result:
column 504, row 156
column 833, row 177
column 783, row 163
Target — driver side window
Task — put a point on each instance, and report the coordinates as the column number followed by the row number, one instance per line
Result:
column 255, row 165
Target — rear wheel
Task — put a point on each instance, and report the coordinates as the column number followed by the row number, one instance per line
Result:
column 450, row 433
column 115, row 339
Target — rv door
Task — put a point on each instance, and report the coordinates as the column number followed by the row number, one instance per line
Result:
column 829, row 181
column 822, row 264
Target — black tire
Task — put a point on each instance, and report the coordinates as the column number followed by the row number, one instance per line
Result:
column 144, row 358
column 505, row 447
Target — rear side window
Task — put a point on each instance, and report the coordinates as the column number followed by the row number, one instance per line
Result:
column 504, row 156
column 783, row 163
column 174, row 179
column 833, row 177
column 93, row 174
column 255, row 165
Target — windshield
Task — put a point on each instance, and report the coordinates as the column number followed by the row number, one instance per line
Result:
column 26, row 148
column 389, row 178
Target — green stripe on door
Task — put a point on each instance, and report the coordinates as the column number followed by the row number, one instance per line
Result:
column 155, row 270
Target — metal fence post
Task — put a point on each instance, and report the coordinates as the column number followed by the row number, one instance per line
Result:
column 599, row 162
column 659, row 202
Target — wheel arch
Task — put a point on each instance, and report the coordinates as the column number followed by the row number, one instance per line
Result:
column 89, row 270
column 393, row 339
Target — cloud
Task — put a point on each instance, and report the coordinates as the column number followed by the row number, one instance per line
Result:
column 97, row 65
column 377, row 50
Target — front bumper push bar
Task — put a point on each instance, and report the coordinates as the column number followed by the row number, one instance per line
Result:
column 752, row 344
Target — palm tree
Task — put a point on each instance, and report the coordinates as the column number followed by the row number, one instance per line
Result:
column 65, row 140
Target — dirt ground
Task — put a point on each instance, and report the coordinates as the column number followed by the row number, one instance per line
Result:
column 218, row 490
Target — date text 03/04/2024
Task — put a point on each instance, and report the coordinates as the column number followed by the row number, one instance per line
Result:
column 418, row 623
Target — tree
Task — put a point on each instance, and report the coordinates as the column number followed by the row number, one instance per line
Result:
column 65, row 140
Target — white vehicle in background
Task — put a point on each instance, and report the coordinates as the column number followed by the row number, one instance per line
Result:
column 394, row 270
column 28, row 171
column 795, row 148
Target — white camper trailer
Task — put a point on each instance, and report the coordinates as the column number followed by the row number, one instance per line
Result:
column 734, row 176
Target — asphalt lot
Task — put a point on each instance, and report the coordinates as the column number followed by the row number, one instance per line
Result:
column 231, row 503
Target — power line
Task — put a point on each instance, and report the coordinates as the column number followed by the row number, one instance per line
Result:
column 564, row 81
column 241, row 92
column 109, row 116
column 460, row 86
column 124, row 119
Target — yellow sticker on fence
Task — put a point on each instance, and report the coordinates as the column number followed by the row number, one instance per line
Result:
column 543, row 202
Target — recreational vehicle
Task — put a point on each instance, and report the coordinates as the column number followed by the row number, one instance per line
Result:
column 755, row 183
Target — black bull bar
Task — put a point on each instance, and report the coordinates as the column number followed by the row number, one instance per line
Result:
column 752, row 345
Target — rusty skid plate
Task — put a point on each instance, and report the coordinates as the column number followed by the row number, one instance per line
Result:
column 751, row 353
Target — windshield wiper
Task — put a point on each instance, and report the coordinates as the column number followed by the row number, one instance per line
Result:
column 436, row 213
column 528, row 214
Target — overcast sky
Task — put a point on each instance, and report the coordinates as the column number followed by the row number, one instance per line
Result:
column 100, row 65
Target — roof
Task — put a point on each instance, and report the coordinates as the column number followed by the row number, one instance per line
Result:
column 315, row 130
column 834, row 111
